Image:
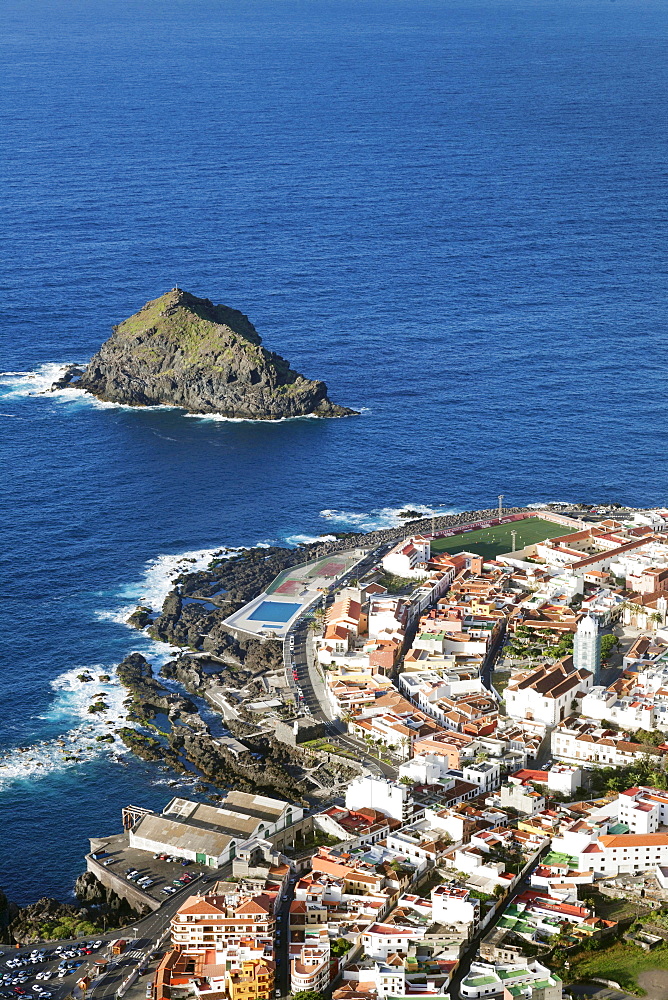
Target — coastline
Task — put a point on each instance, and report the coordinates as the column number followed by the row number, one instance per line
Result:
column 185, row 575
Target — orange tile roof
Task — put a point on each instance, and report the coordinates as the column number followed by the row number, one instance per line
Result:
column 635, row 840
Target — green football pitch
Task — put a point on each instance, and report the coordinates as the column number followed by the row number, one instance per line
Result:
column 491, row 542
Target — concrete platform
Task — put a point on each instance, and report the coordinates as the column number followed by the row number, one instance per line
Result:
column 272, row 613
column 123, row 856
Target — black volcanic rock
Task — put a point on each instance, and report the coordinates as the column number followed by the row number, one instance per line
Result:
column 179, row 350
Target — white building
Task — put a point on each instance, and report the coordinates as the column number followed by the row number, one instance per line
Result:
column 486, row 775
column 211, row 834
column 527, row 981
column 387, row 617
column 409, row 558
column 522, row 796
column 564, row 779
column 389, row 797
column 547, row 694
column 454, row 904
column 381, row 940
column 619, row 854
column 642, row 809
column 627, row 712
column 310, row 969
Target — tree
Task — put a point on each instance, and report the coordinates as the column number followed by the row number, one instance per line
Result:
column 309, row 995
column 608, row 643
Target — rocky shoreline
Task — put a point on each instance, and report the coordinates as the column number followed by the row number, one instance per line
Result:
column 184, row 742
column 99, row 909
column 215, row 662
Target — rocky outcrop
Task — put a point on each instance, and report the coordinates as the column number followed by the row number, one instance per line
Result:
column 140, row 617
column 99, row 900
column 271, row 776
column 151, row 749
column 50, row 920
column 149, row 696
column 179, row 350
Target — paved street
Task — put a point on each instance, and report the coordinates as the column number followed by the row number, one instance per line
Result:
column 142, row 938
column 314, row 701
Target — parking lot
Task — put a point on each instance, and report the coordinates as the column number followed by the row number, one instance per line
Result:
column 45, row 972
column 116, row 860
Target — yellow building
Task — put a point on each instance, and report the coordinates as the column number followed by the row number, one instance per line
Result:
column 253, row 981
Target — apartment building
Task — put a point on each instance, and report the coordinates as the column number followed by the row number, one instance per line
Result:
column 310, row 969
column 252, row 981
column 643, row 810
column 583, row 741
column 521, row 795
column 528, row 981
column 388, row 797
column 214, row 924
column 455, row 904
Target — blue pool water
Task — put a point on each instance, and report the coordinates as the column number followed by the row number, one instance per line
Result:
column 274, row 611
column 453, row 211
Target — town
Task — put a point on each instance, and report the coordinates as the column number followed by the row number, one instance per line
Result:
column 496, row 695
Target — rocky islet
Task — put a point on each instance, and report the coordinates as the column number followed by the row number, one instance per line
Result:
column 183, row 351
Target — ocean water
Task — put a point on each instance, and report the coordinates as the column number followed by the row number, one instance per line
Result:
column 454, row 212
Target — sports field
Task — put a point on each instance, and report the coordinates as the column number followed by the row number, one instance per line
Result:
column 491, row 542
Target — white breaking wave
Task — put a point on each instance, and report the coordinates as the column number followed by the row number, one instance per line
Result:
column 159, row 577
column 308, row 539
column 78, row 743
column 219, row 418
column 384, row 517
column 39, row 382
column 33, row 383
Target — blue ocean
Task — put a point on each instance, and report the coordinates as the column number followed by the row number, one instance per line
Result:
column 452, row 211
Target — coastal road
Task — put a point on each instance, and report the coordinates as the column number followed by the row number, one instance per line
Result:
column 314, row 701
column 145, row 935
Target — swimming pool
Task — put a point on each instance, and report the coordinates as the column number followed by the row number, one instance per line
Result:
column 274, row 612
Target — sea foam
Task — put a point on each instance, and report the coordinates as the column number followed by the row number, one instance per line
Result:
column 78, row 743
column 383, row 517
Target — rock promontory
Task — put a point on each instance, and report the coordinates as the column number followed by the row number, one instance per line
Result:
column 180, row 350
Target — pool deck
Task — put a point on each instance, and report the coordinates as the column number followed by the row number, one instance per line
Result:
column 300, row 587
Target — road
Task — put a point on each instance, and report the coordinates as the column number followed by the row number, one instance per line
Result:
column 309, row 683
column 141, row 936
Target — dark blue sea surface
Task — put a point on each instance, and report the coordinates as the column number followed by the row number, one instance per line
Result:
column 454, row 212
